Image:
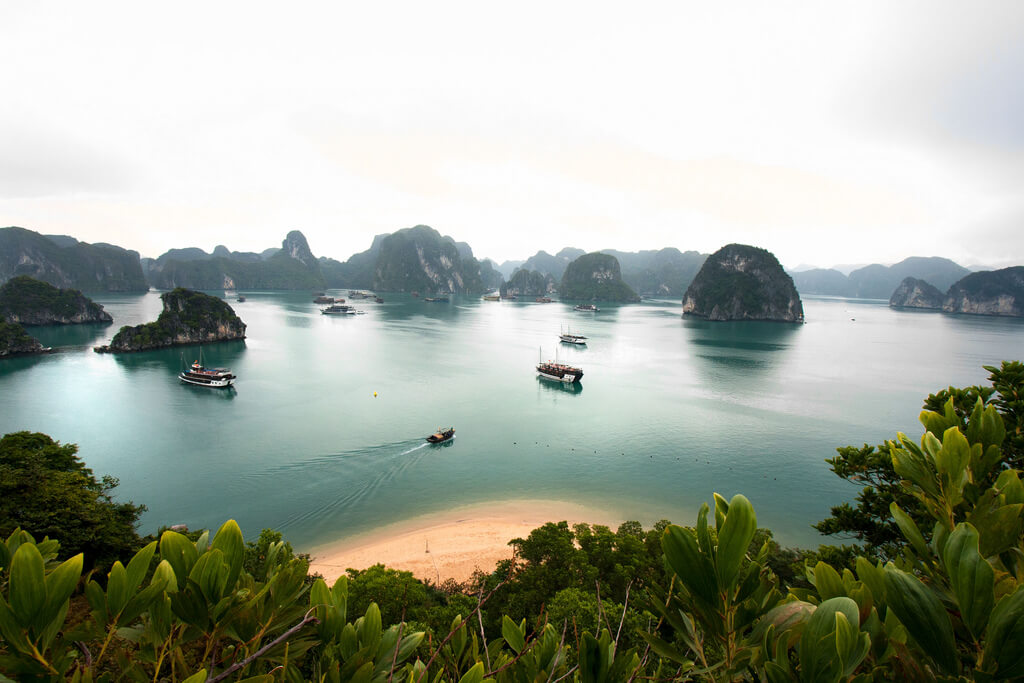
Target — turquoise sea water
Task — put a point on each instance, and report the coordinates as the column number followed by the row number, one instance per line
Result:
column 669, row 411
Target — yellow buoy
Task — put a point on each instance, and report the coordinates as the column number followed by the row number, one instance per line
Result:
column 375, row 394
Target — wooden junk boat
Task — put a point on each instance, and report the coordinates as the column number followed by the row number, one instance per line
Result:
column 207, row 377
column 442, row 434
column 559, row 372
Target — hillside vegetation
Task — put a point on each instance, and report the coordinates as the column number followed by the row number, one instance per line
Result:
column 28, row 301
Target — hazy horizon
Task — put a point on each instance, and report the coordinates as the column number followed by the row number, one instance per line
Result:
column 825, row 134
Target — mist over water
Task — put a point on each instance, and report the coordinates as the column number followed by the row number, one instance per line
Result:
column 669, row 410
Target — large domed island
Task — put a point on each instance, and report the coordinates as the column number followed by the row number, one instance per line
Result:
column 188, row 318
column 740, row 282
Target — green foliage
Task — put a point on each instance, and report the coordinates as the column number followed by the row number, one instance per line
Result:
column 744, row 283
column 32, row 301
column 420, row 259
column 14, row 340
column 595, row 277
column 46, row 490
column 187, row 315
column 869, row 520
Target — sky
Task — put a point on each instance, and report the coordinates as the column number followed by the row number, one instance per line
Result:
column 826, row 132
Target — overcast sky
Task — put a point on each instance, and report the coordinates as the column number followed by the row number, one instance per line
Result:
column 826, row 132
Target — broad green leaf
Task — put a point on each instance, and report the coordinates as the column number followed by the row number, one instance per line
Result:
column 409, row 644
column 510, row 631
column 117, row 589
column 1005, row 635
column 999, row 527
column 1010, row 486
column 165, row 574
column 198, row 677
column 852, row 646
column 180, row 553
column 912, row 467
column 971, row 577
column 60, row 584
column 370, row 628
column 721, row 510
column 27, row 587
column 229, row 541
column 139, row 565
column 827, row 581
column 872, row 576
column 819, row 658
column 733, row 540
column 664, row 649
column 474, row 675
column 910, row 531
column 923, row 616
column 694, row 568
column 10, row 629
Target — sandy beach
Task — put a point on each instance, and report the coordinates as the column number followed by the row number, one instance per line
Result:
column 451, row 544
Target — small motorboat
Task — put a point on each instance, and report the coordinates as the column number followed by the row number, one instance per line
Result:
column 442, row 434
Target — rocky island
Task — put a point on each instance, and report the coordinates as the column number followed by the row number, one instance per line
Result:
column 915, row 293
column 992, row 292
column 596, row 277
column 188, row 318
column 14, row 341
column 740, row 282
column 27, row 301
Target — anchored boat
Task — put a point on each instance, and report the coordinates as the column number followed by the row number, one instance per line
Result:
column 200, row 376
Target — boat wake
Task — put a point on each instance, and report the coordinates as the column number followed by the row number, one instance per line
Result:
column 340, row 481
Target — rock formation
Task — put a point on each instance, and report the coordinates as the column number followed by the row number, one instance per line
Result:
column 188, row 318
column 14, row 341
column 915, row 293
column 420, row 259
column 740, row 282
column 27, row 301
column 528, row 283
column 994, row 292
column 595, row 277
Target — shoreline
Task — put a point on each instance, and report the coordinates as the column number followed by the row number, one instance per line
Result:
column 451, row 544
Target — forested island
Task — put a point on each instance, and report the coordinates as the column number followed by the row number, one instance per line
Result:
column 27, row 301
column 934, row 591
column 595, row 277
column 15, row 341
column 67, row 263
column 188, row 318
column 740, row 282
column 995, row 292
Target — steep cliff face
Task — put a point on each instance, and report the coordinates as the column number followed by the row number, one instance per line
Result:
column 528, row 283
column 995, row 292
column 14, row 341
column 293, row 266
column 740, row 282
column 65, row 262
column 188, row 318
column 420, row 259
column 28, row 301
column 596, row 277
column 914, row 293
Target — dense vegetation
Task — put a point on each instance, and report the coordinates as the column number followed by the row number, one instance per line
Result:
column 999, row 292
column 65, row 262
column 741, row 282
column 29, row 301
column 15, row 341
column 188, row 317
column 595, row 277
column 46, row 490
column 718, row 601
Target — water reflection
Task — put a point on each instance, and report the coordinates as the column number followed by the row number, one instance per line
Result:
column 560, row 387
column 727, row 353
column 59, row 336
column 174, row 359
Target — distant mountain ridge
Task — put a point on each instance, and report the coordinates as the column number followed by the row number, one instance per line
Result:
column 876, row 281
column 293, row 266
column 596, row 277
column 66, row 263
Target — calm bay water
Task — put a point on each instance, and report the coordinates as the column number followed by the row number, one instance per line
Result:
column 669, row 410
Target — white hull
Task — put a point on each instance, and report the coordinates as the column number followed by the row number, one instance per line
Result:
column 568, row 379
column 216, row 383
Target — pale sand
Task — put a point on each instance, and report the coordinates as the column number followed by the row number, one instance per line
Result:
column 451, row 544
